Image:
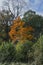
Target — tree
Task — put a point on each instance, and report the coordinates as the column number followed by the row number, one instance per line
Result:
column 8, row 15
column 37, row 23
column 28, row 15
column 5, row 22
column 16, row 7
column 19, row 32
column 34, row 20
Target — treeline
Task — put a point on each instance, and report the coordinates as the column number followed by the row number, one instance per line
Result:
column 29, row 27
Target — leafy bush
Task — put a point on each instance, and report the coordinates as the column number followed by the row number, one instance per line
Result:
column 38, row 51
column 22, row 50
column 7, row 52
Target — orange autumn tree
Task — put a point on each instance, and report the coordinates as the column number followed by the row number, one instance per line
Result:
column 19, row 32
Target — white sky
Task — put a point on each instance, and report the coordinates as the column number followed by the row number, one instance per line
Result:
column 1, row 4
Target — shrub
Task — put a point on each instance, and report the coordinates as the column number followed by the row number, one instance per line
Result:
column 38, row 51
column 22, row 49
column 7, row 52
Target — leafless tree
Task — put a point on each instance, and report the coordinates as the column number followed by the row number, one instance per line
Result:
column 15, row 6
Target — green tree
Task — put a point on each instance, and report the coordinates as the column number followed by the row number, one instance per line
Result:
column 34, row 20
column 28, row 15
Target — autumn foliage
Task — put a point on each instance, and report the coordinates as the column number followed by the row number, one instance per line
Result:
column 19, row 32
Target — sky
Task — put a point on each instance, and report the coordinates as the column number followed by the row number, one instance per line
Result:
column 36, row 5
